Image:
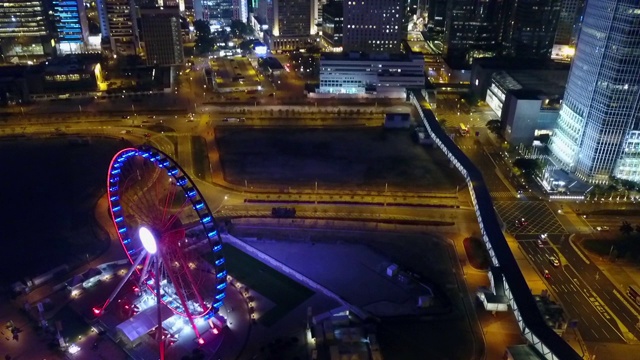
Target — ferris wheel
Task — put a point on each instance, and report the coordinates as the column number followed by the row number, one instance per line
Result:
column 164, row 224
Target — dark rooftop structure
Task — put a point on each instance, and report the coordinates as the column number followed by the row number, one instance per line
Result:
column 534, row 74
column 354, row 55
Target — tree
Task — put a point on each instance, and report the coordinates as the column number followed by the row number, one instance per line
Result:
column 204, row 40
column 626, row 228
column 202, row 28
column 239, row 29
column 527, row 166
column 494, row 125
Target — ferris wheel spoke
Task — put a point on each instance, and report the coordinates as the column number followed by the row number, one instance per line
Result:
column 139, row 211
column 144, row 191
column 176, row 215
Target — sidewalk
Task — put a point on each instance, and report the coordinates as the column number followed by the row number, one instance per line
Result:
column 500, row 330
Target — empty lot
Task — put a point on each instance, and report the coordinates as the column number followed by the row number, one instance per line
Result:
column 352, row 158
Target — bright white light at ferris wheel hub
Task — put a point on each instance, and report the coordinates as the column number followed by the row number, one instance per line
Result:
column 148, row 240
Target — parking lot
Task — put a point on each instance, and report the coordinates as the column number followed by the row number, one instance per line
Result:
column 539, row 217
column 234, row 74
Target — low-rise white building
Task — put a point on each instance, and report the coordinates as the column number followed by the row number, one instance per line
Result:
column 383, row 75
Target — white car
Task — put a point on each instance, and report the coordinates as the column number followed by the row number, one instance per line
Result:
column 602, row 228
column 554, row 261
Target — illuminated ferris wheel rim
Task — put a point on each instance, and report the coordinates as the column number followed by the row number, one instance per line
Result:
column 161, row 160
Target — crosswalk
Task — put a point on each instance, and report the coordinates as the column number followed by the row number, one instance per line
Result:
column 502, row 194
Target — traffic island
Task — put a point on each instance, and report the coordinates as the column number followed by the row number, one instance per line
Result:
column 476, row 253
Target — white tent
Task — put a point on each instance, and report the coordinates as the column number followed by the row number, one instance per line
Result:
column 133, row 329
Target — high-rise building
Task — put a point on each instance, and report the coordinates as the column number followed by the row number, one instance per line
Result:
column 119, row 26
column 530, row 27
column 473, row 28
column 373, row 26
column 26, row 28
column 290, row 22
column 319, row 13
column 569, row 22
column 332, row 21
column 598, row 131
column 437, row 13
column 162, row 36
column 240, row 10
column 217, row 12
column 71, row 25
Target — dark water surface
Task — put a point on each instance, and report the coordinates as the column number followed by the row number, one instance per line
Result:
column 48, row 191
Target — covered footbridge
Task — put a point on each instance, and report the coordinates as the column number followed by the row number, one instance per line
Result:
column 531, row 322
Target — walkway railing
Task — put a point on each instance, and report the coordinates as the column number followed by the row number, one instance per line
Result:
column 530, row 321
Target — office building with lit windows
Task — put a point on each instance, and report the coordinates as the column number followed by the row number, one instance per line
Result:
column 26, row 29
column 218, row 12
column 162, row 36
column 381, row 75
column 332, row 25
column 240, row 10
column 71, row 25
column 569, row 22
column 290, row 23
column 119, row 26
column 473, row 29
column 373, row 26
column 598, row 130
column 530, row 28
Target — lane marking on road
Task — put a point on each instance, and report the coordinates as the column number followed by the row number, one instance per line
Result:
column 624, row 301
column 578, row 250
column 602, row 309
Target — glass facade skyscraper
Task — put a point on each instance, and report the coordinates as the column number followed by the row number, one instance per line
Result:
column 71, row 24
column 597, row 135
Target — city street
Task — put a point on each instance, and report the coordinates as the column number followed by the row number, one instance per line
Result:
column 538, row 215
column 576, row 294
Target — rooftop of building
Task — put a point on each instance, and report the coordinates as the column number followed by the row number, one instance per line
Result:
column 70, row 64
column 509, row 63
column 272, row 62
column 361, row 56
column 533, row 83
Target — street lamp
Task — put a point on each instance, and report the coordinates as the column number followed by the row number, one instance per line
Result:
column 221, row 203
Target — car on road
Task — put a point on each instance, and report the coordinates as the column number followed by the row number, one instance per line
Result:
column 546, row 274
column 125, row 116
column 151, row 117
column 554, row 261
column 125, row 132
column 542, row 240
column 230, row 120
column 521, row 222
column 602, row 228
column 147, row 135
